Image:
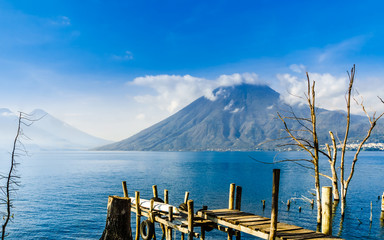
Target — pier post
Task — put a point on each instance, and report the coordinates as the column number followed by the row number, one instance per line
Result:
column 118, row 223
column 138, row 215
column 238, row 197
column 190, row 219
column 170, row 218
column 275, row 203
column 154, row 188
column 238, row 206
column 166, row 199
column 124, row 183
column 370, row 214
column 382, row 208
column 231, row 205
column 186, row 197
column 151, row 213
column 231, row 202
column 382, row 203
column 202, row 235
column 326, row 221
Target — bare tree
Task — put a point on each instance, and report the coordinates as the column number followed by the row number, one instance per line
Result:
column 345, row 181
column 306, row 138
column 11, row 178
column 311, row 146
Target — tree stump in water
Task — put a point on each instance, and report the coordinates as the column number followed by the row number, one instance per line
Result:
column 118, row 223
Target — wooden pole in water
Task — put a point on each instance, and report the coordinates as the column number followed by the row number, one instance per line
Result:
column 382, row 203
column 154, row 188
column 382, row 208
column 170, row 218
column 118, row 223
column 231, row 205
column 138, row 215
column 186, row 197
column 151, row 216
column 238, row 197
column 238, row 206
column 326, row 221
column 166, row 200
column 124, row 183
column 370, row 217
column 202, row 235
column 288, row 204
column 231, row 202
column 275, row 203
column 263, row 201
column 190, row 219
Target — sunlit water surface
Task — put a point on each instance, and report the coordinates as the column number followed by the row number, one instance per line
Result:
column 63, row 195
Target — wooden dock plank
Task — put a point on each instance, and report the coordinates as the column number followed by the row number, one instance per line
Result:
column 259, row 226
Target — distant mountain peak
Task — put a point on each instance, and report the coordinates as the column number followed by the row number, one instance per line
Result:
column 46, row 132
column 240, row 118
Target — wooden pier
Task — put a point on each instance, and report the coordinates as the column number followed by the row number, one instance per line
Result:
column 192, row 225
column 258, row 226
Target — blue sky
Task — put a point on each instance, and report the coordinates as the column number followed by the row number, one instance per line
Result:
column 112, row 68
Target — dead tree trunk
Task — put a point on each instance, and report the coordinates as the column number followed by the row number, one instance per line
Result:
column 118, row 223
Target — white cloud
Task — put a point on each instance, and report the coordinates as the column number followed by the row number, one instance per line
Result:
column 61, row 21
column 124, row 57
column 331, row 90
column 343, row 48
column 174, row 91
column 297, row 68
column 140, row 116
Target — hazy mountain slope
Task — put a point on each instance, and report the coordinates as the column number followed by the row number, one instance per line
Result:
column 240, row 118
column 46, row 133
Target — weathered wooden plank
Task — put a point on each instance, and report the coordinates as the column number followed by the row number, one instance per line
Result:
column 259, row 226
column 241, row 228
column 247, row 220
column 244, row 217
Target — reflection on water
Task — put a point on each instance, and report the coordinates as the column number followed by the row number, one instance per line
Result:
column 64, row 194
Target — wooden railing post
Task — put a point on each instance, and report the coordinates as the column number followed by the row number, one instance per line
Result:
column 124, row 183
column 238, row 197
column 154, row 188
column 231, row 206
column 275, row 203
column 326, row 215
column 138, row 215
column 231, row 201
column 166, row 198
column 170, row 218
column 190, row 219
column 238, row 206
column 186, row 197
column 202, row 235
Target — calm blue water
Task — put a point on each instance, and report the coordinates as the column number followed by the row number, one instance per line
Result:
column 63, row 195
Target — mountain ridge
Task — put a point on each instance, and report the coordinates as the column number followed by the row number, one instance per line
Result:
column 45, row 133
column 239, row 118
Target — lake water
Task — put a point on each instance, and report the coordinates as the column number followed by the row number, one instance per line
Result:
column 63, row 195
